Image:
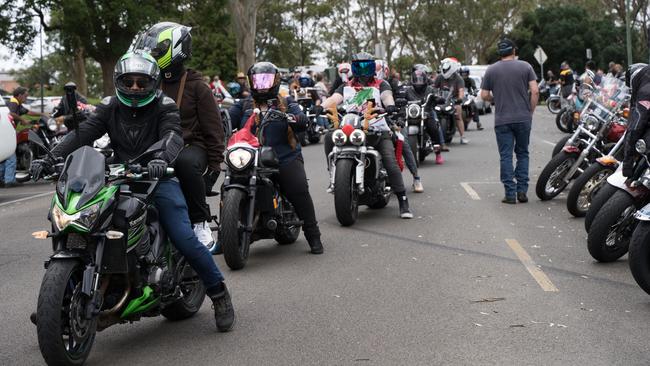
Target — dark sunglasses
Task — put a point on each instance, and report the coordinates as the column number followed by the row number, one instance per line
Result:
column 129, row 82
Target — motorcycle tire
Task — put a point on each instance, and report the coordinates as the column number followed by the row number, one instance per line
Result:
column 555, row 170
column 598, row 200
column 191, row 301
column 24, row 155
column 554, row 104
column 564, row 121
column 346, row 201
column 233, row 216
column 413, row 143
column 314, row 139
column 585, row 187
column 560, row 145
column 639, row 255
column 286, row 235
column 610, row 233
column 58, row 298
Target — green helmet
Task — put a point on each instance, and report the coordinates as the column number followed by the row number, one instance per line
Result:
column 169, row 43
column 136, row 64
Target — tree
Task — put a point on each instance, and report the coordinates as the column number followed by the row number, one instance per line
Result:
column 244, row 16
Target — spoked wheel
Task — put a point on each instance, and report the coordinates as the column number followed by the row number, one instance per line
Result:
column 585, row 188
column 560, row 145
column 551, row 181
column 234, row 239
column 346, row 200
column 554, row 104
column 65, row 336
column 610, row 233
column 192, row 294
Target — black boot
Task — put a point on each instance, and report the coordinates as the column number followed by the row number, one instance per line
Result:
column 404, row 211
column 315, row 245
column 224, row 313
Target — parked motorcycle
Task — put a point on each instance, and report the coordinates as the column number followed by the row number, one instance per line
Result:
column 252, row 206
column 112, row 262
column 468, row 107
column 357, row 174
column 639, row 254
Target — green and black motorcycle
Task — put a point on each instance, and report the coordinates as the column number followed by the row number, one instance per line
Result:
column 112, row 261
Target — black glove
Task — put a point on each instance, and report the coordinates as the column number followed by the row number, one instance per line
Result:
column 41, row 167
column 628, row 169
column 391, row 109
column 210, row 178
column 68, row 121
column 317, row 110
column 157, row 168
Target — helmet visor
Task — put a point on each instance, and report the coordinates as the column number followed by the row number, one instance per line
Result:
column 418, row 78
column 363, row 68
column 137, row 65
column 262, row 81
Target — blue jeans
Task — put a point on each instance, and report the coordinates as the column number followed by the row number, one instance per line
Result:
column 514, row 136
column 175, row 220
column 8, row 170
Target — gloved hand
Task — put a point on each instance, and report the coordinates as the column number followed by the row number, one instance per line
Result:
column 41, row 167
column 628, row 169
column 68, row 121
column 210, row 178
column 391, row 109
column 157, row 168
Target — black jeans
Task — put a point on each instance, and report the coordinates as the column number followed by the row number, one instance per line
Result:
column 293, row 184
column 432, row 126
column 190, row 166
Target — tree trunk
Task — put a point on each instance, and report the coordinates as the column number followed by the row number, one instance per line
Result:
column 108, row 66
column 244, row 19
column 79, row 70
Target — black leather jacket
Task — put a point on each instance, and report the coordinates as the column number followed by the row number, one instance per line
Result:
column 131, row 130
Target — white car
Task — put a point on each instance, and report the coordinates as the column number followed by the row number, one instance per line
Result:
column 49, row 103
column 7, row 132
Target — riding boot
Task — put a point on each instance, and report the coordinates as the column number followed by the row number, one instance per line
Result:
column 404, row 211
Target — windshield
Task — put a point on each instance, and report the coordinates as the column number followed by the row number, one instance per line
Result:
column 612, row 92
column 353, row 120
column 83, row 173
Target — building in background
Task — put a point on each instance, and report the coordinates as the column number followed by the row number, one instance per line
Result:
column 7, row 82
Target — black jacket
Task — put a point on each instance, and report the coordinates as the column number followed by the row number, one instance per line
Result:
column 131, row 130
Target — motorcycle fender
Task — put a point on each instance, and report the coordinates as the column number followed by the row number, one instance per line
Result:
column 607, row 160
column 570, row 149
column 643, row 214
column 236, row 186
column 618, row 180
column 414, row 130
column 67, row 254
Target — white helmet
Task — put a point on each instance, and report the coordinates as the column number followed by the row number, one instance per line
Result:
column 449, row 67
column 345, row 71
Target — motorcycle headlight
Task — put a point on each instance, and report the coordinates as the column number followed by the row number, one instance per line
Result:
column 357, row 137
column 590, row 122
column 239, row 159
column 448, row 108
column 437, row 108
column 640, row 146
column 413, row 111
column 51, row 124
column 339, row 138
column 83, row 219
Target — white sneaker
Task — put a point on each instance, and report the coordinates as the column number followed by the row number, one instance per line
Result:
column 463, row 140
column 204, row 234
column 417, row 186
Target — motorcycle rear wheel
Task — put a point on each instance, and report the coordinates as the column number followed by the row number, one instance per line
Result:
column 610, row 233
column 193, row 291
column 346, row 200
column 639, row 256
column 65, row 336
column 585, row 188
column 551, row 180
column 234, row 242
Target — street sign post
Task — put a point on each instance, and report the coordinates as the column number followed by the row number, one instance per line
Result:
column 541, row 57
column 589, row 54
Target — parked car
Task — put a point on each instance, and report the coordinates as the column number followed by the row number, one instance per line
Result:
column 482, row 106
column 49, row 103
column 7, row 132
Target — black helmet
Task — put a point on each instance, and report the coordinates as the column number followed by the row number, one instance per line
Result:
column 264, row 80
column 464, row 71
column 419, row 80
column 137, row 64
column 169, row 43
column 363, row 67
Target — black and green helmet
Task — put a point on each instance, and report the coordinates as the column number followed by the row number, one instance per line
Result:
column 169, row 43
column 141, row 67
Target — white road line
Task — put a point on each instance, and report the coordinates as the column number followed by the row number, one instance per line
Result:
column 26, row 198
column 548, row 142
column 537, row 273
column 472, row 193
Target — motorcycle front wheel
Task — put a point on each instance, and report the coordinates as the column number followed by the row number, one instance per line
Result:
column 554, row 104
column 585, row 187
column 560, row 145
column 234, row 240
column 639, row 256
column 564, row 120
column 610, row 233
column 346, row 200
column 598, row 200
column 65, row 336
column 551, row 180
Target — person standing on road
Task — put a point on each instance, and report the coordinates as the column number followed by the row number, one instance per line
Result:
column 509, row 82
column 199, row 163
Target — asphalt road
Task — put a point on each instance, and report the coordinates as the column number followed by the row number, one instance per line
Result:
column 447, row 287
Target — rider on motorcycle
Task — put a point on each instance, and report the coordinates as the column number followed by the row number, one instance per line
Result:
column 139, row 116
column 199, row 163
column 418, row 90
column 471, row 88
column 363, row 78
column 449, row 79
column 264, row 79
column 637, row 79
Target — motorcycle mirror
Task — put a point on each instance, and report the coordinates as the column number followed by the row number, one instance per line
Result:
column 640, row 146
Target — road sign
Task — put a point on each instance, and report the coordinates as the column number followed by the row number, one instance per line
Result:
column 540, row 55
column 588, row 53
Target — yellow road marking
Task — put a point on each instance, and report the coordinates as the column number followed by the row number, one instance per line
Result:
column 537, row 273
column 472, row 193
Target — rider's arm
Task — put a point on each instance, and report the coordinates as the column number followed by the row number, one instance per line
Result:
column 294, row 109
column 169, row 122
column 211, row 126
column 386, row 94
column 93, row 128
column 333, row 101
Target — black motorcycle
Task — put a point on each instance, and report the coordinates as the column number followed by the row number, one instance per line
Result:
column 446, row 111
column 252, row 207
column 417, row 114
